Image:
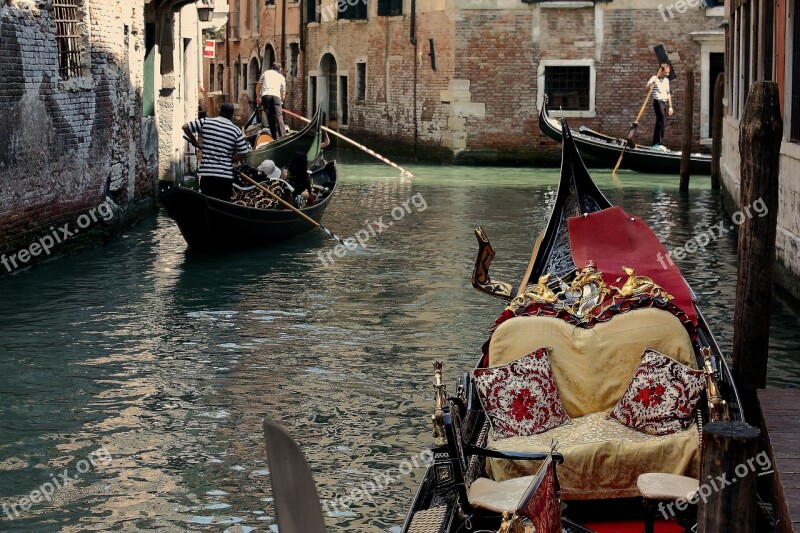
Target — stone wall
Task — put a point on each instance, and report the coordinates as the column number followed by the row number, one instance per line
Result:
column 68, row 145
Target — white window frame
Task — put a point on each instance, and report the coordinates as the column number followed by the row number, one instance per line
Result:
column 592, row 112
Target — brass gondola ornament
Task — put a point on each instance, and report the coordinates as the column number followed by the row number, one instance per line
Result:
column 717, row 406
column 437, row 418
column 640, row 286
column 480, row 275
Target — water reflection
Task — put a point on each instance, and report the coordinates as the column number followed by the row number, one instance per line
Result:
column 170, row 359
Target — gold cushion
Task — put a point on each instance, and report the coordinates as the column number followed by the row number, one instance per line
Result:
column 668, row 487
column 593, row 366
column 602, row 458
column 498, row 497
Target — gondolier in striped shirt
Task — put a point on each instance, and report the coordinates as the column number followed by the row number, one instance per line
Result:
column 222, row 145
column 662, row 100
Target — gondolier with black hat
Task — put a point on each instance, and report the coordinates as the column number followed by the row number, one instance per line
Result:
column 662, row 100
column 222, row 145
column 272, row 88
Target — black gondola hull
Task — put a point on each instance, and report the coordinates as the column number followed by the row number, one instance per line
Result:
column 606, row 151
column 208, row 222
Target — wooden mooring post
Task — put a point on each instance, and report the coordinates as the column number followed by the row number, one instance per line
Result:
column 728, row 478
column 760, row 134
column 688, row 128
column 716, row 130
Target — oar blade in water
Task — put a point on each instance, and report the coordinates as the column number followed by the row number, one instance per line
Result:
column 296, row 500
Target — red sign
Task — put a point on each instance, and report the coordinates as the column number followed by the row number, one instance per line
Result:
column 210, row 50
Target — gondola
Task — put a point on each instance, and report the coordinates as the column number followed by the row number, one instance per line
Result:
column 308, row 140
column 606, row 150
column 596, row 333
column 211, row 223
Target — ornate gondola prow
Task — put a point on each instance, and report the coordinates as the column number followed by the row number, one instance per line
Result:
column 441, row 400
column 480, row 276
column 717, row 406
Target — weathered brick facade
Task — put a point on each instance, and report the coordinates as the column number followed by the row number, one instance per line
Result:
column 481, row 102
column 72, row 143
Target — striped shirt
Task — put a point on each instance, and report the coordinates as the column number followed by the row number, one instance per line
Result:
column 220, row 139
column 660, row 88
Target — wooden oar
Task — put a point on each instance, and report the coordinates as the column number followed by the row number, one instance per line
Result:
column 290, row 206
column 524, row 284
column 633, row 129
column 297, row 505
column 357, row 145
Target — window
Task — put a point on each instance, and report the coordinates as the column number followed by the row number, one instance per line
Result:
column 294, row 56
column 313, row 10
column 68, row 38
column 352, row 12
column 343, row 92
column 211, row 77
column 312, row 96
column 220, row 82
column 567, row 87
column 256, row 15
column 794, row 131
column 361, row 81
column 390, row 8
column 244, row 77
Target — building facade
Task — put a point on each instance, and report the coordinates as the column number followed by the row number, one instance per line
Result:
column 463, row 80
column 764, row 44
column 466, row 78
column 257, row 34
column 93, row 93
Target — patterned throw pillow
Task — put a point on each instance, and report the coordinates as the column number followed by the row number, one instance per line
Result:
column 661, row 397
column 521, row 398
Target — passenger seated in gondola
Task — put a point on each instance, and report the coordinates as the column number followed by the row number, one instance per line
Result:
column 298, row 177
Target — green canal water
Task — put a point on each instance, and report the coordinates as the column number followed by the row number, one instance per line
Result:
column 167, row 361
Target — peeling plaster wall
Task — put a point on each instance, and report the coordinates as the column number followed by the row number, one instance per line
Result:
column 67, row 146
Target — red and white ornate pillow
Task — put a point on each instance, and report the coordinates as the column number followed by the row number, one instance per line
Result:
column 661, row 397
column 521, row 398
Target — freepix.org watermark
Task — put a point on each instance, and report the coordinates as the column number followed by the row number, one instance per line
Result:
column 57, row 235
column 373, row 228
column 717, row 483
column 46, row 490
column 711, row 234
column 327, row 13
column 379, row 482
column 682, row 6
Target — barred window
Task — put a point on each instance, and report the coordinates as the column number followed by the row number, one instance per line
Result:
column 567, row 87
column 68, row 37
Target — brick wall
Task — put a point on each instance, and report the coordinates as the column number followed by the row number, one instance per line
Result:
column 481, row 102
column 68, row 145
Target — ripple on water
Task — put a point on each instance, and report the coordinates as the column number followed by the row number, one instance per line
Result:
column 171, row 359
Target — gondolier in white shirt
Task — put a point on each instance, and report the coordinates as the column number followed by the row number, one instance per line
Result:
column 222, row 145
column 272, row 88
column 662, row 100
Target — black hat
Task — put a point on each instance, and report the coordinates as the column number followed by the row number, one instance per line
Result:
column 226, row 110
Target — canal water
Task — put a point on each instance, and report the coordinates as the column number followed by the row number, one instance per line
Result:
column 141, row 372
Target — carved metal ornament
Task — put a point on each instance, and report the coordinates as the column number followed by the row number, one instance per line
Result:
column 588, row 295
column 717, row 406
column 480, row 275
column 437, row 418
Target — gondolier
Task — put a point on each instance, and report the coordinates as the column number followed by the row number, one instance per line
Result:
column 222, row 145
column 662, row 99
column 272, row 88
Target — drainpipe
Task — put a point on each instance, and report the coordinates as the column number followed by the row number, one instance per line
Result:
column 283, row 34
column 413, row 39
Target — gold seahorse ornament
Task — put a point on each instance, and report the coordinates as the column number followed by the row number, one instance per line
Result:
column 640, row 286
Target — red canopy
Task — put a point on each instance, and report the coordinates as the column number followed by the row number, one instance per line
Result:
column 613, row 239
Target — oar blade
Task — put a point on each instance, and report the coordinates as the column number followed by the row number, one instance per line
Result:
column 297, row 505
